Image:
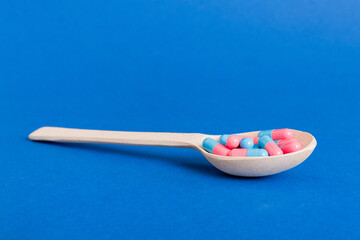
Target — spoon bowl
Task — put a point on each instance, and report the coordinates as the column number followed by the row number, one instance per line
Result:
column 262, row 166
column 238, row 166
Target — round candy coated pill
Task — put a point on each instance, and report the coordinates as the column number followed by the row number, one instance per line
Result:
column 246, row 143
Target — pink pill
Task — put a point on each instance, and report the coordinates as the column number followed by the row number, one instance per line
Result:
column 214, row 147
column 290, row 147
column 256, row 140
column 284, row 141
column 221, row 150
column 232, row 142
column 277, row 134
column 270, row 146
column 273, row 149
column 282, row 134
column 238, row 152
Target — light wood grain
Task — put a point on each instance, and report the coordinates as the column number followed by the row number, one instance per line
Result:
column 57, row 134
column 239, row 166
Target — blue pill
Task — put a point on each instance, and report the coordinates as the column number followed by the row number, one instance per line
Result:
column 252, row 152
column 209, row 144
column 246, row 143
column 224, row 138
column 256, row 152
column 213, row 146
column 265, row 133
column 264, row 140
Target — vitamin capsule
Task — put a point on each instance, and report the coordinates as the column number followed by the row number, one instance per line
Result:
column 277, row 134
column 214, row 147
column 246, row 143
column 270, row 146
column 278, row 142
column 252, row 152
column 290, row 147
column 284, row 141
column 230, row 141
column 286, row 145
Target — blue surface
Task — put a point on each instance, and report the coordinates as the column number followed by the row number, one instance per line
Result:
column 177, row 66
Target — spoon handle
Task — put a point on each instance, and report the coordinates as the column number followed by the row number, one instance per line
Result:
column 56, row 134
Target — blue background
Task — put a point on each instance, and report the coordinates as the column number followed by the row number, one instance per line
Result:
column 178, row 66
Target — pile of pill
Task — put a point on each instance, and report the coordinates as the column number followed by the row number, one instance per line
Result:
column 267, row 143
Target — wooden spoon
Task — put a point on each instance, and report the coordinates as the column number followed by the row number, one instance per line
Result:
column 239, row 166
